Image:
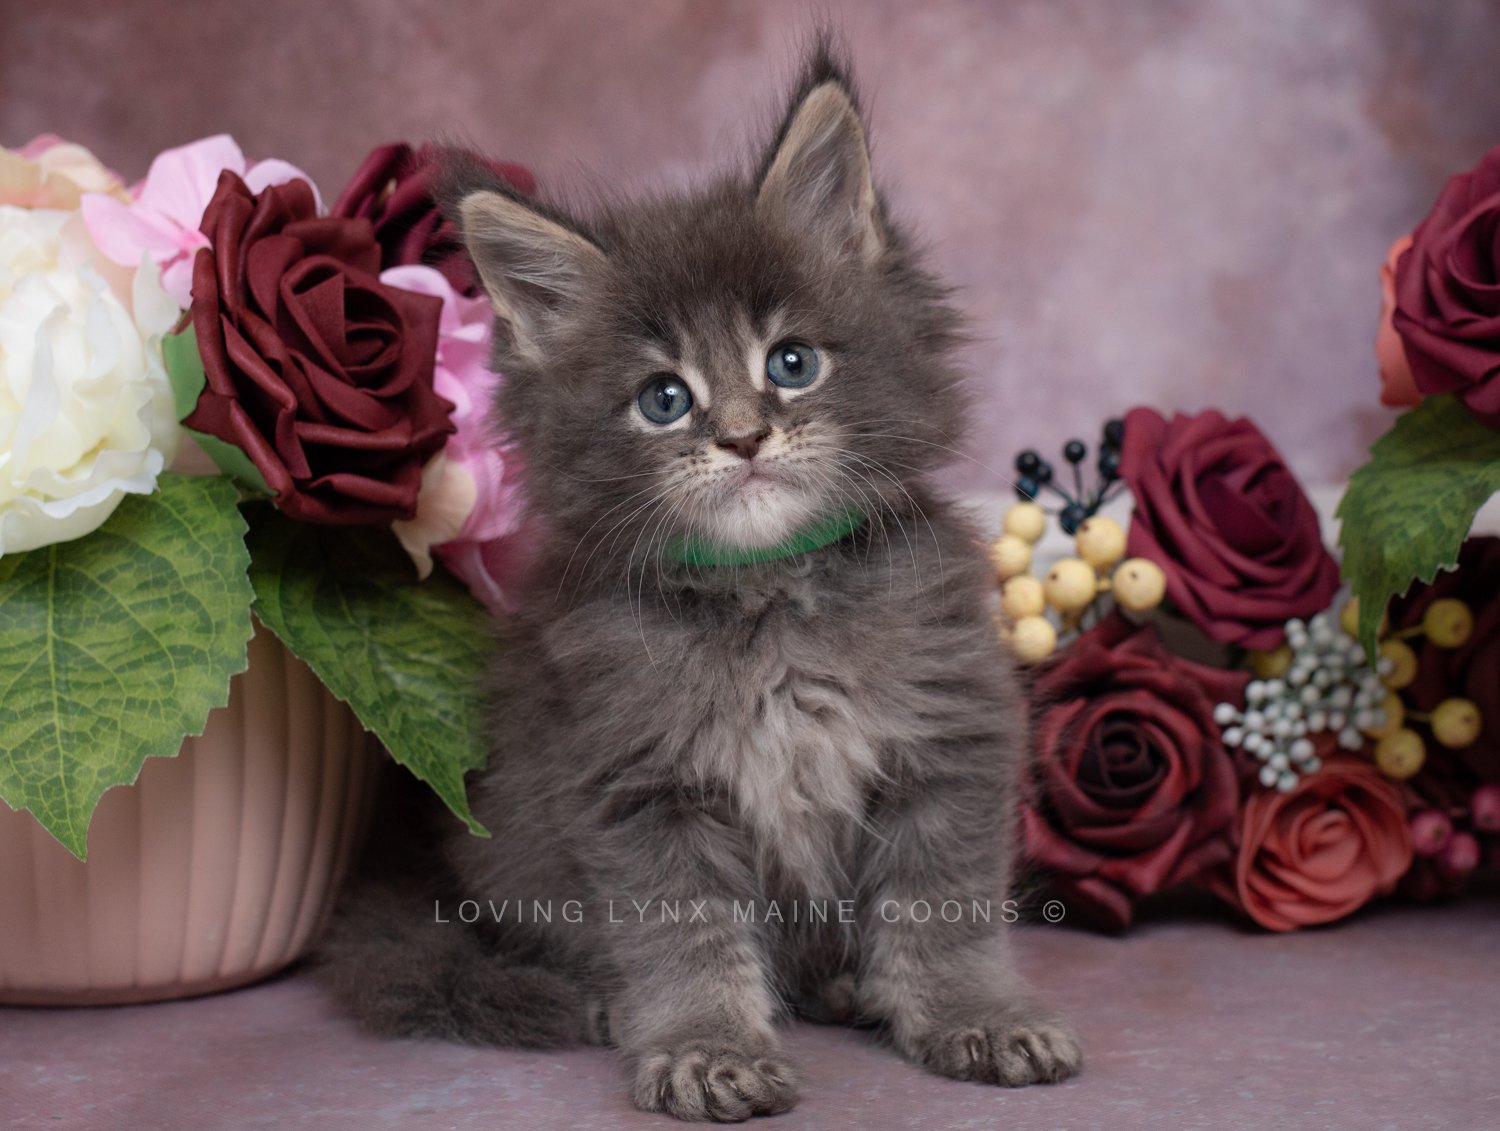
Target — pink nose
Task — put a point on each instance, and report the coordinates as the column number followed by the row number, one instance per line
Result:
column 744, row 446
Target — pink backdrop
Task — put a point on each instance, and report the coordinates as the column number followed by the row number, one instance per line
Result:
column 1165, row 201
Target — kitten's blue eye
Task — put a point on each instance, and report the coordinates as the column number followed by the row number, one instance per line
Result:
column 792, row 365
column 665, row 398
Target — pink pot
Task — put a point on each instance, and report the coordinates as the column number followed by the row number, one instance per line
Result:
column 215, row 868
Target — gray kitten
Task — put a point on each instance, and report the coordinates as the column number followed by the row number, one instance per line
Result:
column 754, row 742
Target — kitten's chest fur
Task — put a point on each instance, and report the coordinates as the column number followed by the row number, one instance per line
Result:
column 800, row 758
column 782, row 701
column 799, row 738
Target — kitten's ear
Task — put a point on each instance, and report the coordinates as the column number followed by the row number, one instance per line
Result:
column 531, row 263
column 818, row 171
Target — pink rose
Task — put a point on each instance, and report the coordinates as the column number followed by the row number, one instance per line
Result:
column 471, row 512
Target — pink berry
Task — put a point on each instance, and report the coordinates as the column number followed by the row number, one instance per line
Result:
column 1485, row 807
column 1430, row 831
column 1460, row 855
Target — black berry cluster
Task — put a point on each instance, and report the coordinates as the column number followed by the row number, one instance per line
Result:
column 1034, row 475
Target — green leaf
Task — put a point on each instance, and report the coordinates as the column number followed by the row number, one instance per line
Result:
column 406, row 655
column 232, row 461
column 1408, row 510
column 116, row 646
column 185, row 371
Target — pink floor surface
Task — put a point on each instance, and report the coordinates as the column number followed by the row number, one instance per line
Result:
column 1391, row 1021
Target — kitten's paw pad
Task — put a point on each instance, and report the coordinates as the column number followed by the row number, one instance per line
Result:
column 1012, row 1051
column 719, row 1084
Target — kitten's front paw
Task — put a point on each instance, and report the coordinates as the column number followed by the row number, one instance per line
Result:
column 726, row 1085
column 1010, row 1047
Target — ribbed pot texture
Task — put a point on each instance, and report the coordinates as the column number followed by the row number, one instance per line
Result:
column 214, row 869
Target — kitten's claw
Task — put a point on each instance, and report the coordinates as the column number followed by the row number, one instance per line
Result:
column 703, row 1082
column 1009, row 1049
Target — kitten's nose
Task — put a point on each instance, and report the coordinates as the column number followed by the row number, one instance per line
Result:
column 744, row 446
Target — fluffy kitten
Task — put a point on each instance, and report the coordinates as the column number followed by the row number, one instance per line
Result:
column 692, row 380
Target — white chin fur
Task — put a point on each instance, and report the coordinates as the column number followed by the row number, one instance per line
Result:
column 756, row 515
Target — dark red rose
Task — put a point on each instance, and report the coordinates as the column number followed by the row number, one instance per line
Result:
column 1448, row 293
column 393, row 190
column 1217, row 509
column 1132, row 790
column 1319, row 852
column 1470, row 671
column 320, row 372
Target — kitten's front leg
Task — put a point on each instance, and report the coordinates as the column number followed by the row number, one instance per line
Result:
column 948, row 992
column 695, row 1014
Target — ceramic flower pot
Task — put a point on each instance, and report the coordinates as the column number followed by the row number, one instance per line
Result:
column 215, row 869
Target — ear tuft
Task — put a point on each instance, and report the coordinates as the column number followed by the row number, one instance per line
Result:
column 532, row 261
column 817, row 172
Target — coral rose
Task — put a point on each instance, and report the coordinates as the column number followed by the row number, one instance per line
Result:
column 1218, row 510
column 1398, row 388
column 1132, row 790
column 318, row 371
column 1320, row 852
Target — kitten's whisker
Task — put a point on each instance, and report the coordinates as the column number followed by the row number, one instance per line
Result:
column 921, row 424
column 915, row 506
column 661, row 582
column 611, row 537
column 874, row 509
column 601, row 478
column 922, row 514
column 910, row 548
column 943, row 447
column 652, row 555
column 640, row 614
column 616, row 530
column 579, row 544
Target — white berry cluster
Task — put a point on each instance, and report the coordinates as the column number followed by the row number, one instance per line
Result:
column 1327, row 687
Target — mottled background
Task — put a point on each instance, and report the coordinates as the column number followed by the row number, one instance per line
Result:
column 1178, row 202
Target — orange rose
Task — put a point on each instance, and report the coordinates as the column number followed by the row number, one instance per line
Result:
column 1320, row 852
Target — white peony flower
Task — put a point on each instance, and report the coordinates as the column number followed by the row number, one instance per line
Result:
column 86, row 410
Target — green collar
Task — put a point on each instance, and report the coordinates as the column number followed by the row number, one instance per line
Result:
column 814, row 536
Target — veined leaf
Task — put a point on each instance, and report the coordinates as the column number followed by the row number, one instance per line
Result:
column 406, row 655
column 1408, row 510
column 116, row 646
